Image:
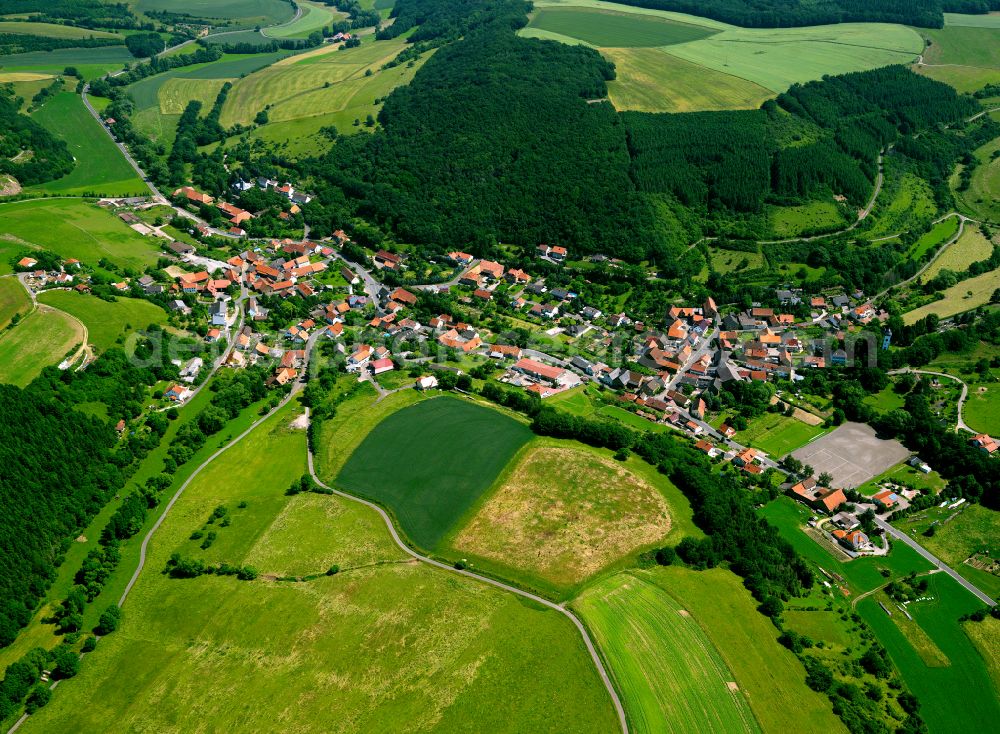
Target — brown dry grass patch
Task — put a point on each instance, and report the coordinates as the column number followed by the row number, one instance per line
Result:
column 563, row 514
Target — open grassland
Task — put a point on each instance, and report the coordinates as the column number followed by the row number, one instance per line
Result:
column 73, row 228
column 52, row 30
column 40, row 339
column 13, row 300
column 91, row 62
column 610, row 28
column 778, row 434
column 314, row 17
column 728, row 261
column 669, row 674
column 971, row 247
column 985, row 636
column 936, row 685
column 650, row 80
column 933, row 238
column 767, row 673
column 105, row 321
column 236, row 13
column 982, row 198
column 964, row 78
column 989, row 20
column 961, row 297
column 982, row 409
column 563, row 512
column 313, row 84
column 964, row 46
column 175, row 94
column 777, row 58
column 382, row 646
column 647, row 12
column 792, row 221
column 430, row 462
column 100, row 166
column 906, row 200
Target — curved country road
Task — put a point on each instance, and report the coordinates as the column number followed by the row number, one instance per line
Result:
column 960, row 424
column 595, row 656
column 962, row 219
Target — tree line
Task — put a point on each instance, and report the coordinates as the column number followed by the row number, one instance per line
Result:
column 28, row 151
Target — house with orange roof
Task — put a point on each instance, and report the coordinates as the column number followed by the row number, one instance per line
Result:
column 984, row 443
column 541, row 371
column 403, row 296
column 460, row 258
column 195, row 197
column 491, row 269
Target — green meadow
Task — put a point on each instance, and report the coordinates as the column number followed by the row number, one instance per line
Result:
column 816, row 216
column 982, row 199
column 52, row 30
column 91, row 62
column 982, row 409
column 777, row 434
column 74, row 228
column 429, row 462
column 13, row 300
column 934, row 238
column 40, row 339
column 106, row 322
column 232, row 13
column 384, row 645
column 608, row 28
column 314, row 17
column 100, row 169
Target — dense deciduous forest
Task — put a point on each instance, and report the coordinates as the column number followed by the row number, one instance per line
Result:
column 83, row 13
column 16, row 43
column 28, row 151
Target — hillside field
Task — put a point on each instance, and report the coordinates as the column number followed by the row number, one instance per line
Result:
column 100, row 167
column 232, row 13
column 610, row 28
column 561, row 512
column 961, row 297
column 982, row 199
column 314, row 17
column 13, row 300
column 106, row 321
column 382, row 646
column 73, row 228
column 971, row 247
column 52, row 30
column 91, row 62
column 431, row 461
column 40, row 339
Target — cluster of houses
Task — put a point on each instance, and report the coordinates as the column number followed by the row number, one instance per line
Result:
column 62, row 278
column 233, row 214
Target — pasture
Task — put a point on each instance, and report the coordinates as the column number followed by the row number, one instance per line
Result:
column 990, row 20
column 971, row 247
column 430, row 462
column 106, row 322
column 609, row 28
column 816, row 216
column 961, row 297
column 175, row 93
column 40, row 339
column 91, row 62
column 100, row 169
column 650, row 80
column 982, row 409
column 938, row 234
column 562, row 512
column 13, row 300
column 729, row 261
column 52, row 30
column 73, row 228
column 232, row 13
column 966, row 79
column 936, row 685
column 905, row 202
column 669, row 674
column 382, row 646
column 985, row 636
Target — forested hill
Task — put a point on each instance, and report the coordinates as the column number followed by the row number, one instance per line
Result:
column 57, row 474
column 789, row 13
column 28, row 151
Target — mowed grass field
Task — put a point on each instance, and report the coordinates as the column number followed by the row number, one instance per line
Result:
column 235, row 13
column 428, row 463
column 314, row 17
column 106, row 321
column 562, row 511
column 964, row 46
column 385, row 645
column 40, row 339
column 74, row 228
column 669, row 674
column 13, row 300
column 175, row 94
column 981, row 409
column 611, row 28
column 961, row 297
column 971, row 247
column 778, row 434
column 52, row 30
column 91, row 62
column 985, row 636
column 100, row 167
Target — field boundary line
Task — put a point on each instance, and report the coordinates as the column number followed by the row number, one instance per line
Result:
column 561, row 608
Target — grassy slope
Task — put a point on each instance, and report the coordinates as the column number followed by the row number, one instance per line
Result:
column 982, row 409
column 314, row 18
column 100, row 166
column 40, row 339
column 106, row 321
column 76, row 229
column 669, row 674
column 431, row 461
column 791, row 221
column 982, row 199
column 969, row 248
column 615, row 29
column 52, row 30
column 91, row 62
column 13, row 300
column 961, row 297
column 174, row 95
column 235, row 13
column 413, row 648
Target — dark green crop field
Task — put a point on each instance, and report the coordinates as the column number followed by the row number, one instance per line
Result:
column 429, row 462
column 606, row 28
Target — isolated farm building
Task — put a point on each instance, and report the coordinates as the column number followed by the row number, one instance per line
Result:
column 27, row 262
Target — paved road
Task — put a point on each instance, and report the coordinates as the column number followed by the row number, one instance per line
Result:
column 372, row 286
column 900, row 535
column 960, row 425
column 598, row 663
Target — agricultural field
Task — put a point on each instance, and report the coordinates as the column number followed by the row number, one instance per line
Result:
column 106, row 322
column 963, row 46
column 981, row 409
column 73, row 228
column 562, row 512
column 614, row 29
column 40, row 339
column 314, row 17
column 777, row 434
column 231, row 13
column 985, row 636
column 100, row 168
column 91, row 62
column 52, row 30
column 971, row 247
column 175, row 94
column 413, row 647
column 935, row 685
column 13, row 300
column 940, row 233
column 792, row 221
column 966, row 79
column 961, row 297
column 650, row 80
column 429, row 463
column 982, row 198
column 669, row 674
